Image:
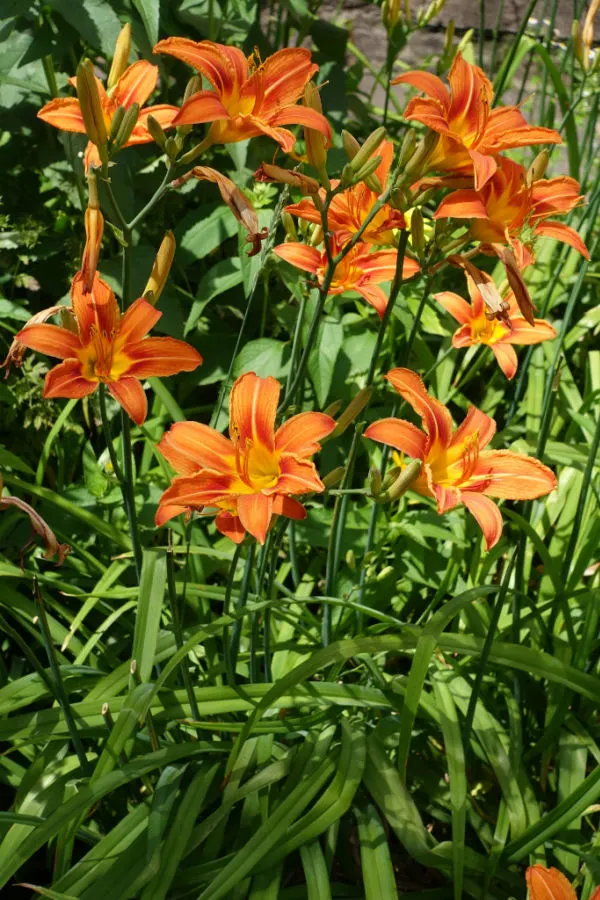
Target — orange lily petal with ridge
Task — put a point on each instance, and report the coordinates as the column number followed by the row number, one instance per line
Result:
column 507, row 128
column 66, row 380
column 190, row 446
column 514, row 476
column 307, row 210
column 373, row 294
column 424, row 81
column 97, row 307
column 435, row 416
column 130, row 394
column 63, row 113
column 204, row 106
column 252, row 409
column 524, row 333
column 160, row 357
column 224, row 67
column 475, row 422
column 462, row 337
column 456, row 305
column 564, row 233
column 253, row 126
column 302, row 115
column 401, row 435
column 550, row 196
column 286, row 74
column 163, row 113
column 462, row 205
column 428, row 112
column 288, row 507
column 487, row 515
column 51, row 340
column 548, row 884
column 136, row 84
column 138, row 320
column 203, row 488
column 301, row 434
column 255, row 512
column 299, row 255
column 506, row 358
column 298, row 476
column 229, row 525
column 471, row 91
column 446, row 496
column 484, row 167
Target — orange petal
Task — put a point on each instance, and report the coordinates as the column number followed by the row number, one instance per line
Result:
column 225, row 67
column 252, row 126
column 475, row 422
column 65, row 380
column 135, row 84
column 424, row 81
column 299, row 255
column 306, row 210
column 51, row 340
column 301, row 434
column 446, row 497
column 487, row 515
column 524, row 333
column 429, row 113
column 298, row 476
column 548, row 884
column 507, row 128
column 386, row 152
column 436, row 418
column 163, row 113
column 229, row 524
column 514, row 476
column 506, row 358
column 285, row 74
column 461, row 205
column 255, row 511
column 130, row 394
column 161, row 356
column 252, row 410
column 472, row 93
column 97, row 307
column 463, row 337
column 374, row 295
column 288, row 507
column 190, row 446
column 564, row 233
column 63, row 113
column 401, row 435
column 554, row 195
column 484, row 167
column 196, row 491
column 302, row 115
column 91, row 157
column 168, row 511
column 138, row 320
column 455, row 305
column 204, row 106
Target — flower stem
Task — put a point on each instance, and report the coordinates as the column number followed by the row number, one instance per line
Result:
column 177, row 630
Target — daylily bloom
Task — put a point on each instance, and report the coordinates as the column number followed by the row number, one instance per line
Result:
column 472, row 133
column 109, row 348
column 348, row 210
column 456, row 466
column 360, row 270
column 248, row 98
column 550, row 884
column 250, row 476
column 477, row 327
column 134, row 86
column 508, row 211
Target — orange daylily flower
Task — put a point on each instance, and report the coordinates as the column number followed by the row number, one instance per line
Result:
column 477, row 327
column 550, row 884
column 348, row 210
column 250, row 476
column 360, row 270
column 509, row 211
column 134, row 86
column 456, row 466
column 248, row 98
column 472, row 133
column 109, row 348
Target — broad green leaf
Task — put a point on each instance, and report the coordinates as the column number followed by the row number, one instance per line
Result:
column 321, row 362
column 221, row 277
column 379, row 878
column 149, row 11
column 94, row 20
column 263, row 356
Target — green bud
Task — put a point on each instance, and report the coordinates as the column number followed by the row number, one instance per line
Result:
column 368, row 149
column 354, row 409
column 89, row 101
column 375, row 482
column 127, row 125
column 116, row 122
column 417, row 232
column 368, row 170
column 408, row 147
column 387, row 570
column 417, row 163
column 538, row 167
column 172, row 147
column 351, row 559
column 157, row 132
column 402, row 483
column 289, row 226
column 334, row 477
column 351, row 145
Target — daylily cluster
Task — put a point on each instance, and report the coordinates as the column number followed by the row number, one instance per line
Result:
column 352, row 231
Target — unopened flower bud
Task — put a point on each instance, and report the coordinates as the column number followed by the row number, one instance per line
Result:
column 407, row 148
column 157, row 132
column 333, row 409
column 172, row 147
column 350, row 144
column 538, row 167
column 351, row 559
column 289, row 226
column 398, row 199
column 367, row 149
column 121, row 57
column 94, row 229
column 304, row 183
column 375, row 482
column 417, row 232
column 127, row 125
column 587, row 32
column 116, row 122
column 353, row 148
column 192, row 87
column 89, row 101
column 387, row 570
column 390, row 12
column 465, row 40
column 417, row 163
column 434, row 9
column 316, row 236
column 367, row 174
column 160, row 269
column 316, row 143
column 448, row 38
column 354, row 408
column 334, row 477
column 347, row 177
column 402, row 483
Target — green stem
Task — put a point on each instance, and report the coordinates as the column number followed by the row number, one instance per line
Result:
column 226, row 605
column 59, row 688
column 108, row 438
column 129, row 492
column 177, row 630
column 158, row 194
column 236, row 631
